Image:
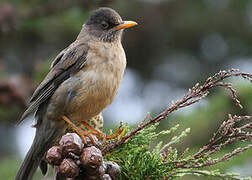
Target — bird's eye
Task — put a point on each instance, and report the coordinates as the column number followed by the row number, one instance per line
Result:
column 104, row 24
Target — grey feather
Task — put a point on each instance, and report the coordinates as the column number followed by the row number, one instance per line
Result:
column 70, row 63
column 46, row 135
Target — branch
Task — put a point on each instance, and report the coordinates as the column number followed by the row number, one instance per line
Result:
column 193, row 96
column 236, row 128
column 207, row 173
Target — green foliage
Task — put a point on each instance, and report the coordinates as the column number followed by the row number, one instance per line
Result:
column 138, row 161
column 135, row 158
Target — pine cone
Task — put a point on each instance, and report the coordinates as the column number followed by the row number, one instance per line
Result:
column 73, row 161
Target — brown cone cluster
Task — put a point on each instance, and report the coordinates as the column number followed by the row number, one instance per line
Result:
column 74, row 161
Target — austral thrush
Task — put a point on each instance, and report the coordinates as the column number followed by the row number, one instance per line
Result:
column 83, row 80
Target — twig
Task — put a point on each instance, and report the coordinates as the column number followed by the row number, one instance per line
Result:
column 227, row 133
column 194, row 95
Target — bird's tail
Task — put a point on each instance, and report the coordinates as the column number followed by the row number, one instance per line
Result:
column 46, row 134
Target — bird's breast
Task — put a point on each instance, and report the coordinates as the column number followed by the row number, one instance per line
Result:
column 94, row 87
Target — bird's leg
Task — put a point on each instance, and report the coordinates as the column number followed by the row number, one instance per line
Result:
column 116, row 134
column 99, row 134
column 79, row 131
column 95, row 132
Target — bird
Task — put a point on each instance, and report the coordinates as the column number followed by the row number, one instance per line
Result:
column 83, row 80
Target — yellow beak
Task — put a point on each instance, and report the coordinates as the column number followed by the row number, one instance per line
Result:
column 126, row 24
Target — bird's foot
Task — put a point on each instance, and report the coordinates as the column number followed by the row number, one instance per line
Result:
column 116, row 134
column 93, row 131
column 100, row 135
column 83, row 134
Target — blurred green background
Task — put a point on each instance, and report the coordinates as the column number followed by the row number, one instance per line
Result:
column 176, row 44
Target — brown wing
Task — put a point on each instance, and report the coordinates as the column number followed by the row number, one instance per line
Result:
column 68, row 62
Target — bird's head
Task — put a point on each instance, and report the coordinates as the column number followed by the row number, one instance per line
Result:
column 106, row 25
